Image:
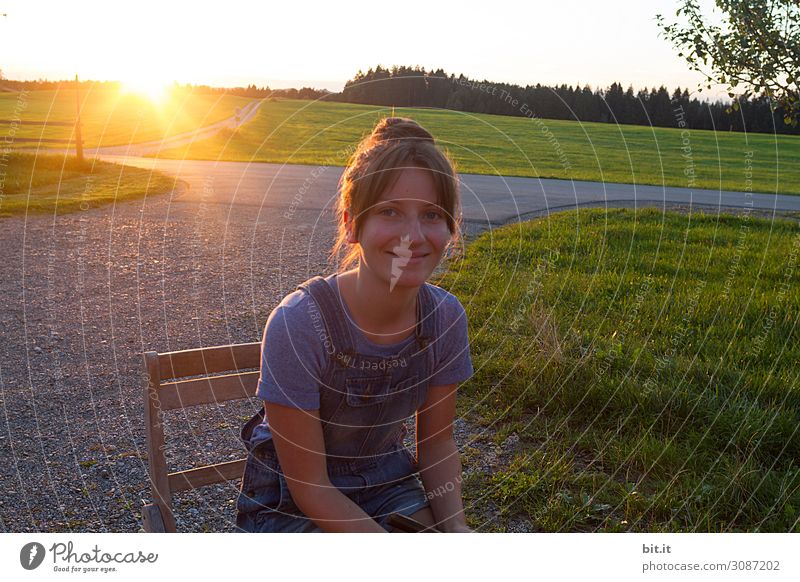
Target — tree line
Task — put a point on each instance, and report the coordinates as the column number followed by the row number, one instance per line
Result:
column 415, row 87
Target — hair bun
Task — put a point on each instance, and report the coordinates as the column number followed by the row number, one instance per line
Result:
column 395, row 128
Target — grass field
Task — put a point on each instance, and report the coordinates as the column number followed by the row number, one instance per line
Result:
column 303, row 132
column 54, row 184
column 648, row 364
column 111, row 117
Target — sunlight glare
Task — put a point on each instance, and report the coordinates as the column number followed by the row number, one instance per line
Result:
column 156, row 90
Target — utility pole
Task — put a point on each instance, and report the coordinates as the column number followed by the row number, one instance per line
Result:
column 78, row 141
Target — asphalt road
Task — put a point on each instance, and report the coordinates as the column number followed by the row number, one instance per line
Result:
column 488, row 201
column 153, row 147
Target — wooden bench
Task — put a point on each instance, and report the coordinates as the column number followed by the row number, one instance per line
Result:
column 197, row 377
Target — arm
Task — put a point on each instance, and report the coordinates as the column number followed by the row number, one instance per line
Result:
column 300, row 446
column 439, row 462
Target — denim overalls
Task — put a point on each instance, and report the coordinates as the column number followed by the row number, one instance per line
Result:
column 364, row 401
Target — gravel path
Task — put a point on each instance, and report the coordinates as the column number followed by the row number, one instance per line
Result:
column 83, row 295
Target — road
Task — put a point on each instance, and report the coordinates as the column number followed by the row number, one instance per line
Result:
column 153, row 147
column 488, row 201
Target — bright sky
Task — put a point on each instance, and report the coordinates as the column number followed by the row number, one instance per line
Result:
column 285, row 43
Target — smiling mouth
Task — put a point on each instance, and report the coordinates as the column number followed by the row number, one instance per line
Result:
column 411, row 257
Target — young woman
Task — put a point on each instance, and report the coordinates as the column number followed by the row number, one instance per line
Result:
column 347, row 358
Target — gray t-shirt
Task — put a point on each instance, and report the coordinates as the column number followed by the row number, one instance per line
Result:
column 292, row 367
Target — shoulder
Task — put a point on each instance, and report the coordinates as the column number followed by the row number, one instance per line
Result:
column 448, row 308
column 295, row 315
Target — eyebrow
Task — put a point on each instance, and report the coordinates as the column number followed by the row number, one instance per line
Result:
column 393, row 201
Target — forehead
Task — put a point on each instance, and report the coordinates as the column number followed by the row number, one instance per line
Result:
column 413, row 183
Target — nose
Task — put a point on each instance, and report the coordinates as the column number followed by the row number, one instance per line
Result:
column 414, row 230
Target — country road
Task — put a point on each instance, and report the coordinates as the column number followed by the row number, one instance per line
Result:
column 154, row 147
column 488, row 201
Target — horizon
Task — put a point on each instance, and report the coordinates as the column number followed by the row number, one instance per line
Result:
column 504, row 48
column 287, row 84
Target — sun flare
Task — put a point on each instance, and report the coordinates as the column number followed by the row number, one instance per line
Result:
column 155, row 90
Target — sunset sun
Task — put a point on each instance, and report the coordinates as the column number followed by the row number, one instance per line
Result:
column 156, row 90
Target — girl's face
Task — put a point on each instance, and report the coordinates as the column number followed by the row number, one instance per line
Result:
column 404, row 234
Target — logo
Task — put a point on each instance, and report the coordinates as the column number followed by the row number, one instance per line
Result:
column 403, row 253
column 31, row 555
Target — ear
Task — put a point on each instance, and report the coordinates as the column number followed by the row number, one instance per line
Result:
column 350, row 226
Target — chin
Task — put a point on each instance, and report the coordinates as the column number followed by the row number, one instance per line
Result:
column 409, row 278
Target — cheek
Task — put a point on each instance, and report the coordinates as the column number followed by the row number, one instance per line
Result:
column 375, row 233
column 439, row 236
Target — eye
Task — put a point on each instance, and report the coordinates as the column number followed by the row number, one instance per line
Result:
column 433, row 215
column 387, row 211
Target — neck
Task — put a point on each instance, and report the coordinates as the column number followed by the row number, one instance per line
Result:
column 380, row 308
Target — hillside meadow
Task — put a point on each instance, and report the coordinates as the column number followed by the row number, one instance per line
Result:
column 108, row 116
column 308, row 132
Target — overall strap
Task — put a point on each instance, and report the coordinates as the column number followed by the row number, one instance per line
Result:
column 343, row 345
column 427, row 329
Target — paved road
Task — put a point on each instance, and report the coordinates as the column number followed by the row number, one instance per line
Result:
column 153, row 147
column 488, row 201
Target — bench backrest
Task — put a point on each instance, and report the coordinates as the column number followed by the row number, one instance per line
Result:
column 210, row 375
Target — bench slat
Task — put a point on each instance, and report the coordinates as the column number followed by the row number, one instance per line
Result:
column 209, row 360
column 208, row 475
column 174, row 395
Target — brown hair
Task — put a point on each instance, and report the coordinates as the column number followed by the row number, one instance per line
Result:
column 396, row 143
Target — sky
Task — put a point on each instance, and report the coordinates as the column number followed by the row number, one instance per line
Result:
column 294, row 44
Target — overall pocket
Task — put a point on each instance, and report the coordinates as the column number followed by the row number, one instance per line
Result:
column 367, row 390
column 263, row 486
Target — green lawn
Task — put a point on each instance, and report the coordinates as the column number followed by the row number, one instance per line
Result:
column 111, row 117
column 648, row 363
column 305, row 132
column 54, row 184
